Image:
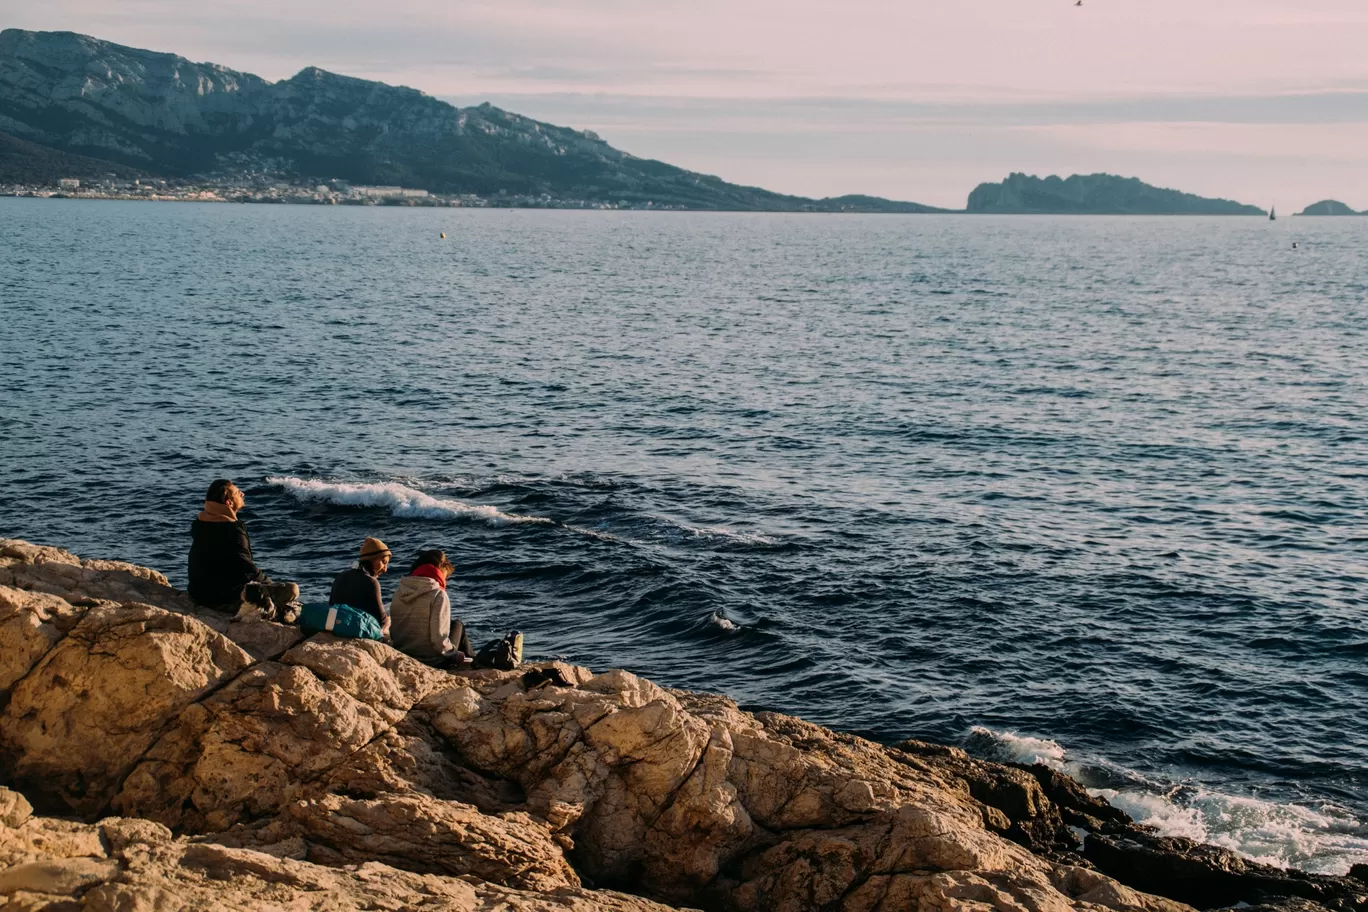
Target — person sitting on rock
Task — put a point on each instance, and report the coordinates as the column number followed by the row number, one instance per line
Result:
column 222, row 572
column 420, row 615
column 359, row 587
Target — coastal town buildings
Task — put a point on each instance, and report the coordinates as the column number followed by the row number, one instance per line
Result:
column 389, row 193
column 264, row 187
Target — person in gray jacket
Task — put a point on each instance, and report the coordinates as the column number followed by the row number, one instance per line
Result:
column 421, row 624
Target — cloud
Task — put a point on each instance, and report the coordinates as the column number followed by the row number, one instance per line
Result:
column 667, row 112
column 1008, row 49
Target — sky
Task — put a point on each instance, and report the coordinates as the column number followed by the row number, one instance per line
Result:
column 1264, row 101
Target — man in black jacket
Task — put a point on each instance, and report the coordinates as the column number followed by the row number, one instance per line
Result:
column 222, row 572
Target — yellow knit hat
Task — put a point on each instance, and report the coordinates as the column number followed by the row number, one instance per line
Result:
column 372, row 548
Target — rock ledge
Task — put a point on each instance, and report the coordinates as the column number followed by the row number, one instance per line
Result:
column 179, row 761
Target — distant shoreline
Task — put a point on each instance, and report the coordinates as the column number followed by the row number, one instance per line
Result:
column 181, row 128
column 587, row 207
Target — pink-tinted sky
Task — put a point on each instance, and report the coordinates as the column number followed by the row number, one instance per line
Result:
column 1265, row 101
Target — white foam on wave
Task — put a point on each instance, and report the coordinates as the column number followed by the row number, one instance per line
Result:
column 1324, row 840
column 601, row 535
column 1024, row 749
column 736, row 535
column 1328, row 840
column 401, row 500
column 720, row 620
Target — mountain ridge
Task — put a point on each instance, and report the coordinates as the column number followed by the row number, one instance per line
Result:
column 74, row 105
column 166, row 115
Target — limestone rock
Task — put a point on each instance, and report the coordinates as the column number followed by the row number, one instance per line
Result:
column 338, row 774
column 260, row 639
column 81, row 718
column 261, row 740
column 14, row 809
column 428, row 836
column 31, row 623
column 58, row 572
column 65, row 877
column 14, row 552
column 123, row 866
column 413, row 757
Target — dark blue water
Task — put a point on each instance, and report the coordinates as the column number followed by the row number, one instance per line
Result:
column 1084, row 489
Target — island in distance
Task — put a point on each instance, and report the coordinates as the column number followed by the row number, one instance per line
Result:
column 1094, row 194
column 1329, row 207
column 88, row 110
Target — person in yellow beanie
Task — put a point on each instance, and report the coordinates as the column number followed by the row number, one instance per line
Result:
column 359, row 587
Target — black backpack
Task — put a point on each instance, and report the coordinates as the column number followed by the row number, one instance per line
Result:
column 504, row 654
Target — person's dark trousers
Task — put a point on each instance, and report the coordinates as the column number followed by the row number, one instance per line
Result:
column 455, row 661
column 459, row 637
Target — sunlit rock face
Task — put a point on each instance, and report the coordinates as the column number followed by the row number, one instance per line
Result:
column 181, row 760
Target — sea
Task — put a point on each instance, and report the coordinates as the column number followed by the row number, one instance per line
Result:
column 1087, row 491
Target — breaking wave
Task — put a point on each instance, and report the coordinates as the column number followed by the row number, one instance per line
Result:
column 722, row 622
column 1324, row 839
column 1009, row 747
column 405, row 501
column 401, row 500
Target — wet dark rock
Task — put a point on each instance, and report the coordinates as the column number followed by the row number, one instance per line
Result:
column 1039, row 807
column 1076, row 806
column 1209, row 877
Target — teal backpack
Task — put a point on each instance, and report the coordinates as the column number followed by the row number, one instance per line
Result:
column 339, row 620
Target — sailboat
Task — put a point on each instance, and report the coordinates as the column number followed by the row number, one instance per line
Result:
column 1273, row 214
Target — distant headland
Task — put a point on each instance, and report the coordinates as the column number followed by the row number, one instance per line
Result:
column 1095, row 194
column 1329, row 207
column 158, row 125
column 86, row 117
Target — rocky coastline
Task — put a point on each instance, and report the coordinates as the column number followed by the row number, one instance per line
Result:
column 153, row 759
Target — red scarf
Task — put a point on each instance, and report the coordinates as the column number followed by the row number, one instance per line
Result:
column 432, row 573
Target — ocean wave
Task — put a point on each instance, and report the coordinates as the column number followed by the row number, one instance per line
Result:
column 600, row 535
column 735, row 535
column 399, row 499
column 721, row 621
column 405, row 501
column 1010, row 747
column 1326, row 839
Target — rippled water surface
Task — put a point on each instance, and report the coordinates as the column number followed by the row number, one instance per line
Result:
column 1087, row 490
